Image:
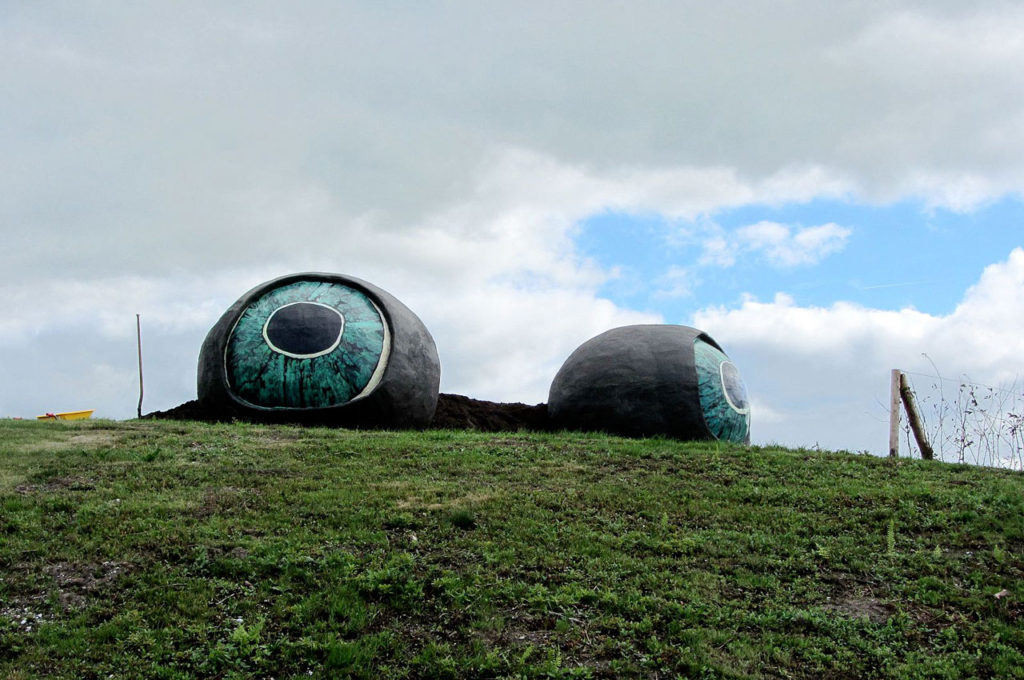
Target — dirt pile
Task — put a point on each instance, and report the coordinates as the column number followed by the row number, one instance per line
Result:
column 190, row 410
column 454, row 412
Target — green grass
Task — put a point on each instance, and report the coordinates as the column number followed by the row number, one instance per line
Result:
column 186, row 550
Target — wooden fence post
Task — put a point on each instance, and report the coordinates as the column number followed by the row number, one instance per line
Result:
column 894, row 413
column 914, row 418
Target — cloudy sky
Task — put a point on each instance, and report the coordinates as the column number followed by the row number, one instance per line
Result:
column 831, row 190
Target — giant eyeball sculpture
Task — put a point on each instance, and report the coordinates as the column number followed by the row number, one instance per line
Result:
column 647, row 380
column 320, row 348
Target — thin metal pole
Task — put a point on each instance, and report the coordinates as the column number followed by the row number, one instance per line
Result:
column 138, row 333
column 894, row 413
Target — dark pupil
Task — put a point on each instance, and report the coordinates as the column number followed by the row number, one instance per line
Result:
column 734, row 386
column 303, row 328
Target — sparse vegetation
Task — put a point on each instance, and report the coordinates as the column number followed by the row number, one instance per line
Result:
column 187, row 550
column 970, row 422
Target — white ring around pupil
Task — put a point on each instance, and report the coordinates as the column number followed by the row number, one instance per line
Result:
column 333, row 346
column 725, row 389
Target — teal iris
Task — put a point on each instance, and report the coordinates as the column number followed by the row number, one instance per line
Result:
column 723, row 397
column 265, row 375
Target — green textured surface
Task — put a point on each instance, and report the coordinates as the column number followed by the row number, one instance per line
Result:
column 190, row 551
column 725, row 422
column 263, row 377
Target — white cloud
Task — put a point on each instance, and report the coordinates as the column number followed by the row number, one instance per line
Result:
column 778, row 244
column 719, row 250
column 677, row 282
column 783, row 246
column 766, row 415
column 823, row 371
column 172, row 131
column 931, row 75
column 499, row 343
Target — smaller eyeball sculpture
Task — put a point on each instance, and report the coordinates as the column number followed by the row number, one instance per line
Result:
column 648, row 380
column 320, row 348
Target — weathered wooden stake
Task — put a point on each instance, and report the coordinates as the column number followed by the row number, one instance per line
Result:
column 138, row 333
column 894, row 413
column 914, row 418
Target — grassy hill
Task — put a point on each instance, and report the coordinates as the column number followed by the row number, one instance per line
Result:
column 185, row 550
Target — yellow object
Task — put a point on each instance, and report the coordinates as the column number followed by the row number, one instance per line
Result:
column 67, row 415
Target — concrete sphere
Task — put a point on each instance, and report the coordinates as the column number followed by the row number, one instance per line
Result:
column 320, row 348
column 648, row 380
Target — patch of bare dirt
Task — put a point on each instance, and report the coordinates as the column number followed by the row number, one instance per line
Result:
column 223, row 500
column 861, row 607
column 76, row 585
column 855, row 598
column 466, row 501
column 518, row 628
column 68, row 483
column 92, row 439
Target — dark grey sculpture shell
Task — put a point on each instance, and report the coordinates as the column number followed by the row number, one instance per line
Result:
column 382, row 361
column 648, row 380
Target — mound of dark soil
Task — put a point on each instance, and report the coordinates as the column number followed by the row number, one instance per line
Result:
column 454, row 412
column 190, row 410
column 457, row 412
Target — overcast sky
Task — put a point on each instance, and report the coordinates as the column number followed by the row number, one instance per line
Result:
column 831, row 190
